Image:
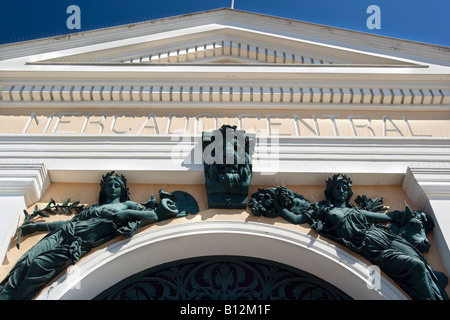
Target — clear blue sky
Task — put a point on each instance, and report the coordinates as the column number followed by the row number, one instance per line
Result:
column 419, row 20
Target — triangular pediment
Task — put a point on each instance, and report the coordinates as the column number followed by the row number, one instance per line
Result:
column 223, row 43
column 231, row 50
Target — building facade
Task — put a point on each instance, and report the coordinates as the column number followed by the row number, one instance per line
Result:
column 136, row 99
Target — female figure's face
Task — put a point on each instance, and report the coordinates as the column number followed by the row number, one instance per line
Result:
column 340, row 192
column 112, row 189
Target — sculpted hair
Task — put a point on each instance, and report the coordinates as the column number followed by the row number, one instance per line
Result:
column 285, row 197
column 261, row 203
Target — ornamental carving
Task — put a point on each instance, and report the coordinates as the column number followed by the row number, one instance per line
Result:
column 223, row 278
column 227, row 166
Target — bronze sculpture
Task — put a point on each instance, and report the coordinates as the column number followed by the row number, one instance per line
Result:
column 68, row 240
column 396, row 248
column 227, row 167
column 359, row 230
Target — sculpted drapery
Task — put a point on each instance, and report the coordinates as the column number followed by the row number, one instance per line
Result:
column 360, row 230
column 395, row 247
column 68, row 240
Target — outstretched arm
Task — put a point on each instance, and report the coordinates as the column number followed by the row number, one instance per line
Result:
column 32, row 227
column 287, row 214
column 145, row 216
column 377, row 217
column 292, row 217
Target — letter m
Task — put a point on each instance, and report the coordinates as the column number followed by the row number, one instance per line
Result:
column 38, row 122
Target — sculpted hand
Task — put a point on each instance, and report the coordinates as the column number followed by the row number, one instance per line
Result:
column 120, row 217
column 400, row 217
column 29, row 227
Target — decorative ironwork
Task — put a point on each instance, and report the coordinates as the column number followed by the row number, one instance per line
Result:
column 223, row 278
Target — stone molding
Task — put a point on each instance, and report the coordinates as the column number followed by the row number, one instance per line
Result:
column 211, row 94
column 428, row 186
column 24, row 179
column 105, row 267
column 425, row 183
column 217, row 19
column 177, row 159
column 21, row 185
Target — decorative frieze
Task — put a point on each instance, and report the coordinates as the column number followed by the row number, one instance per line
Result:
column 273, row 94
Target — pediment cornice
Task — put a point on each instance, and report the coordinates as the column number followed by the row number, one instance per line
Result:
column 197, row 45
column 240, row 20
column 221, row 33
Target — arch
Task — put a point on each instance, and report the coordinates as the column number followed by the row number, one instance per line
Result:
column 107, row 266
column 222, row 278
